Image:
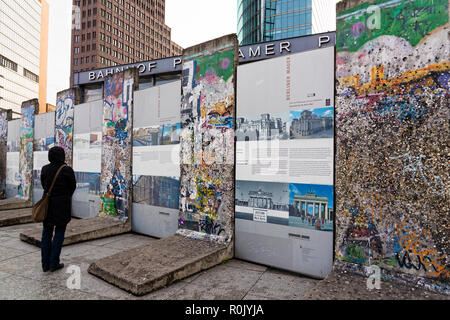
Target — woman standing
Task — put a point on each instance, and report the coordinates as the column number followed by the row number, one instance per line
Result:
column 59, row 208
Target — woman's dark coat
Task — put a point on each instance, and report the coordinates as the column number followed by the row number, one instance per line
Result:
column 60, row 203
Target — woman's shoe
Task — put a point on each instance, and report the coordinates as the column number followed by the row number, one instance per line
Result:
column 59, row 266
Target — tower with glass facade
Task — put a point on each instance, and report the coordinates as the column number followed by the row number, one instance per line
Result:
column 268, row 20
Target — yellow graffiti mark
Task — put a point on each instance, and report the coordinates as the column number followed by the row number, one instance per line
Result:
column 378, row 82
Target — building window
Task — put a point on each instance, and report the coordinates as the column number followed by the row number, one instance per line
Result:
column 30, row 75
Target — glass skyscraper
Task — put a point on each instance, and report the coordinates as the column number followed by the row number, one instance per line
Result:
column 268, row 20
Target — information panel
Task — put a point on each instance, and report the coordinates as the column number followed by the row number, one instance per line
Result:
column 12, row 159
column 284, row 162
column 156, row 164
column 44, row 140
column 87, row 158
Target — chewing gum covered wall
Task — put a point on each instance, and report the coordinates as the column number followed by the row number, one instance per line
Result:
column 392, row 173
column 207, row 140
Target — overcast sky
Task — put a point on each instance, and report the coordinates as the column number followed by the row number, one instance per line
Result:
column 191, row 21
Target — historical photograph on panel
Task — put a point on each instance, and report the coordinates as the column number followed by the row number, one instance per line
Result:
column 156, row 191
column 81, row 141
column 262, row 201
column 311, row 206
column 95, row 140
column 144, row 137
column 312, row 123
column 273, row 126
column 167, row 134
column 44, row 144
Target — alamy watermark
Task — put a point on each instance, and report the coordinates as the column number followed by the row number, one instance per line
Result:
column 374, row 279
column 74, row 281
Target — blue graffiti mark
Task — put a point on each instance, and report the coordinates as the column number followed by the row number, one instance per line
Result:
column 402, row 110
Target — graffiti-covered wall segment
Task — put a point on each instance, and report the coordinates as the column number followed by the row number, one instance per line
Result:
column 116, row 177
column 207, row 140
column 392, row 137
column 65, row 106
column 28, row 110
column 5, row 116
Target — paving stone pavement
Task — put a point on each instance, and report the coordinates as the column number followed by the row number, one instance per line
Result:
column 341, row 285
column 21, row 276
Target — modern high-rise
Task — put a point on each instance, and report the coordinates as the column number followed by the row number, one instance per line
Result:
column 113, row 32
column 23, row 53
column 268, row 20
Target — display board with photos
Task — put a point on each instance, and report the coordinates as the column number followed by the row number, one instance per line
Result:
column 156, row 165
column 87, row 149
column 44, row 140
column 12, row 159
column 285, row 148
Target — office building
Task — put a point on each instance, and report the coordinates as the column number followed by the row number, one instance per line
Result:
column 113, row 32
column 23, row 53
column 268, row 20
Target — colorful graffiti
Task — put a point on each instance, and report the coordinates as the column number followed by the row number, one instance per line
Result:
column 392, row 127
column 28, row 111
column 4, row 117
column 116, row 177
column 65, row 104
column 207, row 140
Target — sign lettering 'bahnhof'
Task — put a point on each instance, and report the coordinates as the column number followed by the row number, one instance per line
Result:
column 246, row 54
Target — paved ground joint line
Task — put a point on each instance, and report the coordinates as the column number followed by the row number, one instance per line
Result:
column 16, row 256
column 58, row 286
column 255, row 284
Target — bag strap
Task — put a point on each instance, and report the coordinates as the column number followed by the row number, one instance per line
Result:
column 54, row 179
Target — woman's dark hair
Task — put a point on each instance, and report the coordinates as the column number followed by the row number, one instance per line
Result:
column 56, row 155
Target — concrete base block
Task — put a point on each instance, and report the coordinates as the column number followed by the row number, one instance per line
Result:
column 160, row 263
column 14, row 203
column 14, row 217
column 82, row 230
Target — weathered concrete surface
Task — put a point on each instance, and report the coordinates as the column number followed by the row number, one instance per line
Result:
column 341, row 285
column 161, row 263
column 21, row 275
column 14, row 203
column 13, row 217
column 82, row 230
